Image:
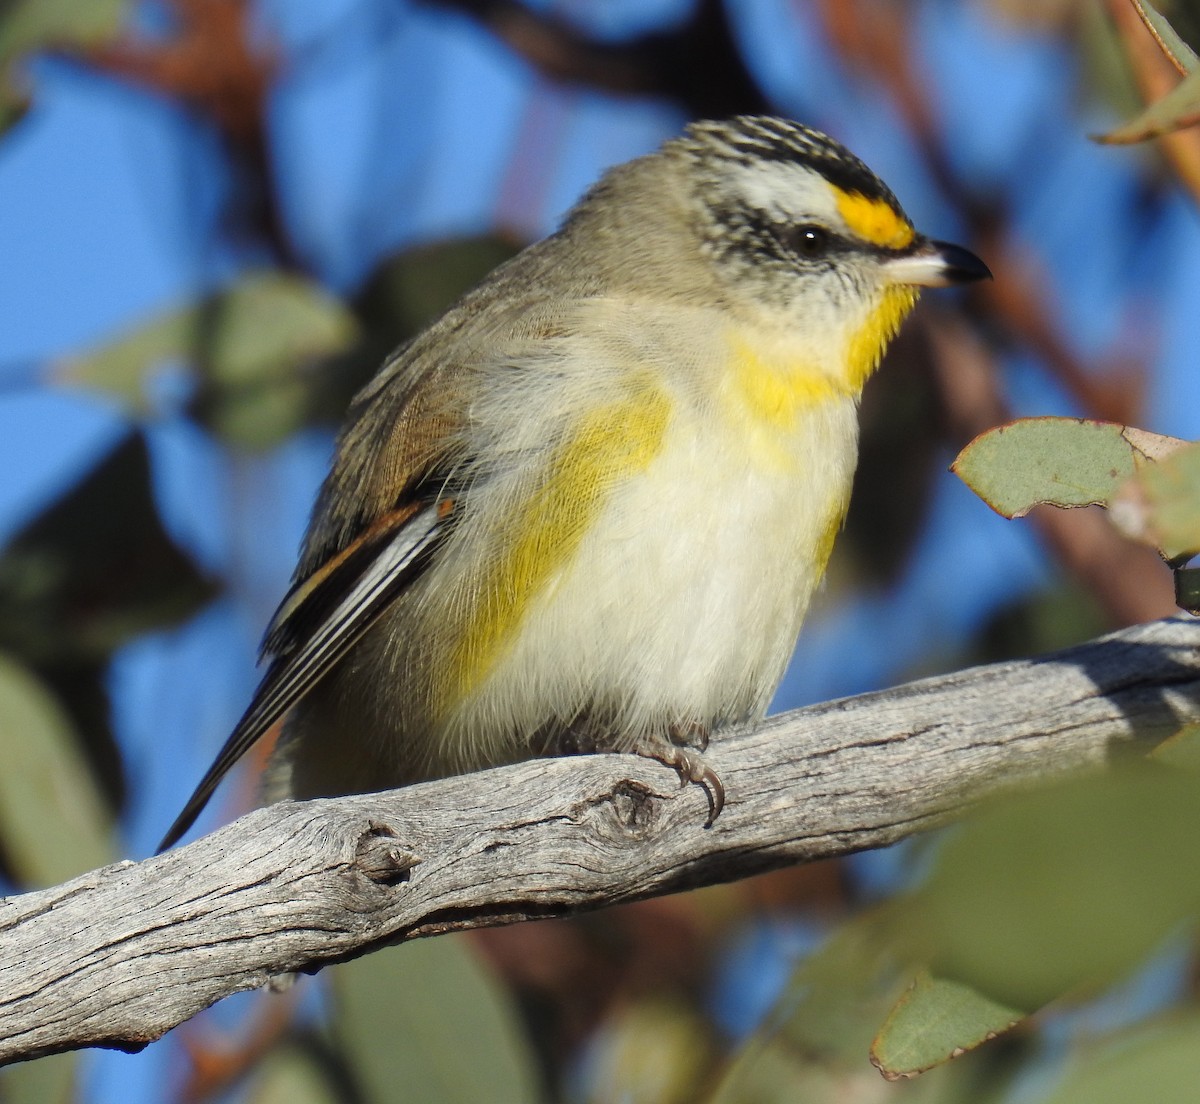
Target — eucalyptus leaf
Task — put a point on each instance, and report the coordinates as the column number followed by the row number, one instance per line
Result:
column 935, row 1020
column 252, row 347
column 1061, row 891
column 1057, row 461
column 425, row 1022
column 286, row 1076
column 1159, row 1064
column 1179, row 108
column 54, row 823
column 28, row 24
column 1182, row 56
column 50, row 1080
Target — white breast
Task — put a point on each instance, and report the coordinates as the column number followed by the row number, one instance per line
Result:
column 683, row 602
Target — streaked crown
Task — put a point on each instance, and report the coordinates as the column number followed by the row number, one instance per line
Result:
column 782, row 196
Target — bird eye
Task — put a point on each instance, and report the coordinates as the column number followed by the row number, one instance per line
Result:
column 807, row 240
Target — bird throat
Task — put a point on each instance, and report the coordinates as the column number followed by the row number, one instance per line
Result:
column 776, row 387
column 871, row 341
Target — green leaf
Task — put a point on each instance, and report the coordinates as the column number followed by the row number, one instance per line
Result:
column 1063, row 890
column 53, row 822
column 48, row 1080
column 838, row 995
column 1181, row 751
column 254, row 347
column 1063, row 462
column 426, row 1020
column 1181, row 55
column 1161, row 1064
column 1179, row 108
column 286, row 1076
column 1160, row 504
column 650, row 1052
column 29, row 24
column 767, row 1071
column 121, row 366
column 935, row 1020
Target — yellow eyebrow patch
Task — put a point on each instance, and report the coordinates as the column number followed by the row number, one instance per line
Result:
column 873, row 220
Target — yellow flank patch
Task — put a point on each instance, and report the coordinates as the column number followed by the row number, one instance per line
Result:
column 610, row 444
column 873, row 220
column 776, row 391
column 868, row 345
column 833, row 526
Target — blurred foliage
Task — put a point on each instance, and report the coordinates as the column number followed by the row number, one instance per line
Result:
column 935, row 1020
column 28, row 24
column 1064, row 891
column 54, row 822
column 1040, row 901
column 654, row 1051
column 1161, row 1063
column 46, row 1081
column 13, row 107
column 406, row 1016
column 404, row 292
column 289, row 1076
column 95, row 568
column 253, row 347
column 1044, row 621
column 899, row 459
column 1182, row 750
column 92, row 571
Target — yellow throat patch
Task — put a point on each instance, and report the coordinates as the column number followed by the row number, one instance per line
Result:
column 776, row 389
column 868, row 345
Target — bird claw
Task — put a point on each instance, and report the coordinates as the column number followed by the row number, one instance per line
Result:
column 689, row 764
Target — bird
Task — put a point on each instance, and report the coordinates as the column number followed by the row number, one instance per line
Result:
column 586, row 508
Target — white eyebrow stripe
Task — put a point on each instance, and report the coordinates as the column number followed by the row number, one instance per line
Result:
column 786, row 192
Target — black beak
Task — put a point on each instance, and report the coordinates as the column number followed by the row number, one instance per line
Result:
column 960, row 265
column 937, row 264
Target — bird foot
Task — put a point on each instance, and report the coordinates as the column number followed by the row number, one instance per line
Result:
column 683, row 754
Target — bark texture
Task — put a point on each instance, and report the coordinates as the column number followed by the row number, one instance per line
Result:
column 119, row 956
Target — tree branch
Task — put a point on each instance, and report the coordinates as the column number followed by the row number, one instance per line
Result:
column 119, row 956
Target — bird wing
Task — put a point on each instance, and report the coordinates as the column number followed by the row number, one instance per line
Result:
column 319, row 621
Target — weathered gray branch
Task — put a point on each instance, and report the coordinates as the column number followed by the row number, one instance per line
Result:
column 119, row 956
